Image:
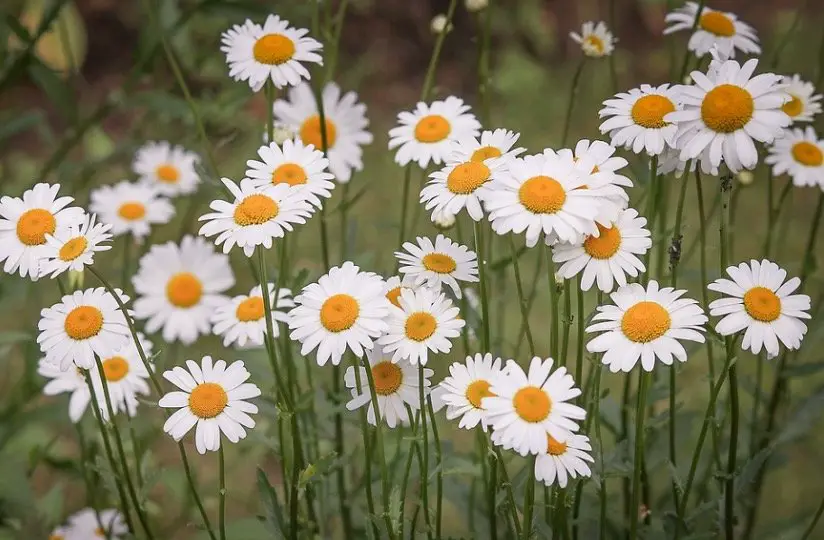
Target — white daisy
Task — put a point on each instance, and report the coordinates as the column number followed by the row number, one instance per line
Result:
column 800, row 154
column 83, row 324
column 255, row 217
column 179, row 286
column 169, row 169
column 392, row 288
column 83, row 525
column 525, row 407
column 130, row 208
column 598, row 169
column 443, row 262
column 25, row 223
column 636, row 118
column 608, row 257
column 491, row 145
column 301, row 167
column 274, row 51
column 804, row 102
column 466, row 386
column 396, row 383
column 725, row 110
column 715, row 28
column 760, row 302
column 346, row 308
column 562, row 461
column 346, row 125
column 595, row 39
column 73, row 247
column 428, row 133
column 242, row 319
column 645, row 323
column 66, row 381
column 213, row 397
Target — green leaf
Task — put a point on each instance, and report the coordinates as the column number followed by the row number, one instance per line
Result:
column 269, row 499
column 317, row 470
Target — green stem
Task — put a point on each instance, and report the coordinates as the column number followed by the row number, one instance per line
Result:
column 529, row 499
column 579, row 350
column 602, row 481
column 439, row 478
column 407, row 468
column 222, row 493
column 567, row 322
column 367, row 458
column 638, row 458
column 407, row 180
column 490, row 481
column 521, row 299
column 651, row 189
column 573, row 93
column 811, row 527
column 91, row 488
column 429, row 78
column 425, row 450
column 683, row 71
column 340, row 449
column 479, row 250
column 554, row 346
column 483, row 63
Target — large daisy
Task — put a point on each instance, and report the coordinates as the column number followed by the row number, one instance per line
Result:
column 804, row 102
column 73, row 247
column 645, row 324
column 761, row 303
column 179, row 286
column 490, row 145
column 466, row 386
column 130, row 208
column 169, row 169
column 635, row 119
column 242, row 320
column 299, row 166
column 595, row 39
column 443, row 262
column 715, row 28
column 800, row 154
column 563, row 461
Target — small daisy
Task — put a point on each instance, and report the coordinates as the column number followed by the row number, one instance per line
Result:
column 242, row 319
column 396, row 383
column 68, row 381
column 608, row 257
column 130, row 208
column 524, row 407
column 491, row 145
column 436, row 264
column 760, row 301
column 595, row 40
column 26, row 222
column 213, row 397
column 301, row 167
column 800, row 154
column 636, row 118
column 179, row 286
column 466, row 386
column 645, row 323
column 715, row 28
column 563, row 461
column 346, row 308
column 804, row 102
column 73, row 247
column 725, row 110
column 346, row 125
column 427, row 134
column 169, row 169
column 426, row 321
column 84, row 525
column 273, row 51
column 255, row 217
column 83, row 324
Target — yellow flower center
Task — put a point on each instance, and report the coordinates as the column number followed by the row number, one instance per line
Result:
column 717, row 23
column 167, row 173
column 56, row 537
column 184, row 290
column 485, row 152
column 645, row 322
column 208, row 400
column 727, row 108
column 83, row 322
column 432, row 128
column 273, row 49
column 467, row 177
column 73, row 248
column 132, row 211
column 532, row 404
column 289, row 173
column 115, row 368
column 339, row 312
column 255, row 209
column 100, row 532
column 553, row 447
column 439, row 263
column 250, row 309
column 605, row 245
column 762, row 304
column 394, row 296
column 310, row 132
column 476, row 391
column 595, row 43
column 33, row 226
column 649, row 111
column 794, row 107
column 542, row 195
column 388, row 378
column 420, row 326
column 807, row 154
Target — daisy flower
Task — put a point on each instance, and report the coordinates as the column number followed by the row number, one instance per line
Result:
column 466, row 386
column 346, row 308
column 635, row 119
column 595, row 40
column 392, row 288
column 66, row 381
column 715, row 28
column 83, row 324
column 213, row 397
column 608, row 257
column 804, row 102
column 396, row 383
column 169, row 169
column 255, row 217
column 130, row 208
column 425, row 321
column 599, row 169
column 800, row 154
column 443, row 262
column 725, row 110
column 525, row 407
column 492, row 144
column 301, row 167
column 179, row 286
column 274, row 51
column 759, row 301
column 242, row 319
column 562, row 461
column 26, row 222
column 443, row 221
column 647, row 324
column 73, row 247
column 428, row 133
column 346, row 125
column 84, row 525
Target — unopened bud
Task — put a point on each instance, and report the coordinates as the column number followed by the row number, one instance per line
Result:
column 443, row 220
column 476, row 5
column 440, row 24
column 745, row 178
column 280, row 134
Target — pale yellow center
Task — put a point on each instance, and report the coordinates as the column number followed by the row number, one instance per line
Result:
column 649, row 111
column 605, row 245
column 83, row 322
column 273, row 49
column 388, row 378
column 339, row 312
column 250, row 309
column 542, row 195
column 595, row 43
column 168, row 174
column 115, row 368
column 184, row 290
column 289, row 173
column 807, row 154
column 467, row 177
column 476, row 391
column 794, row 107
column 420, row 326
column 394, row 296
column 255, row 209
column 645, row 322
column 432, row 128
column 532, row 404
column 73, row 249
column 208, row 400
column 485, row 152
column 33, row 226
column 132, row 211
column 762, row 304
column 439, row 263
column 310, row 132
column 717, row 23
column 727, row 108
